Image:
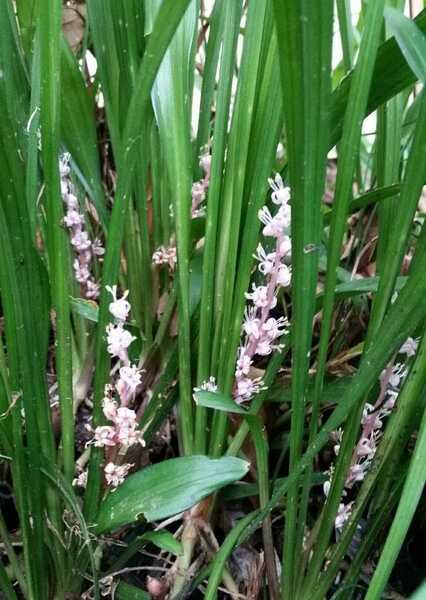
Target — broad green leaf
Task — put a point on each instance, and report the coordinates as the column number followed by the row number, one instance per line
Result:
column 218, row 401
column 411, row 41
column 125, row 591
column 164, row 540
column 85, row 308
column 167, row 488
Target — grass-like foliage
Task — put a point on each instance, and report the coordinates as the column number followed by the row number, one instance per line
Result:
column 212, row 283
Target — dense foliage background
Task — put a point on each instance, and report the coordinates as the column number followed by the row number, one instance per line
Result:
column 212, row 281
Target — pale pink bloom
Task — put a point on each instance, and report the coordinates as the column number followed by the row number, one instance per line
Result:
column 243, row 363
column 272, row 226
column 264, row 347
column 71, row 201
column 409, row 347
column 64, row 169
column 392, row 396
column 357, row 473
column 259, row 296
column 246, row 388
column 116, row 474
column 109, row 408
column 285, row 246
column 280, row 194
column 399, row 373
column 120, row 307
column 164, row 256
column 284, row 276
column 104, row 436
column 80, row 480
column 81, row 271
column 73, row 218
column 251, row 324
column 275, row 328
column 92, row 289
column 80, row 240
column 125, row 417
column 198, row 193
column 205, row 163
column 118, row 340
column 128, row 436
column 97, row 247
column 266, row 261
column 130, row 377
column 343, row 515
column 326, row 487
column 208, row 386
column 366, row 447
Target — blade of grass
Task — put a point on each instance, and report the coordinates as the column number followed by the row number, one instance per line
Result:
column 304, row 37
column 231, row 216
column 59, row 258
column 261, row 448
column 232, row 16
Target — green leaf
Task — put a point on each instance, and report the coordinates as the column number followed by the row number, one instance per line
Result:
column 166, row 489
column 164, row 540
column 125, row 591
column 411, row 41
column 85, row 308
column 218, row 401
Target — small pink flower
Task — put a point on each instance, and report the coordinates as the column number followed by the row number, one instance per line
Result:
column 80, row 480
column 81, row 271
column 97, row 248
column 280, row 194
column 266, row 261
column 73, row 218
column 125, row 417
column 80, row 240
column 130, row 378
column 343, row 515
column 243, row 363
column 104, row 436
column 109, row 408
column 116, row 474
column 259, row 296
column 92, row 289
column 284, row 276
column 118, row 339
column 120, row 307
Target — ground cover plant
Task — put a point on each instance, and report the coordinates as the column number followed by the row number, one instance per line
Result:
column 212, row 283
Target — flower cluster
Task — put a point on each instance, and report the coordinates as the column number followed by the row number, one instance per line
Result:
column 371, row 430
column 199, row 188
column 165, row 256
column 123, row 431
column 84, row 248
column 260, row 330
